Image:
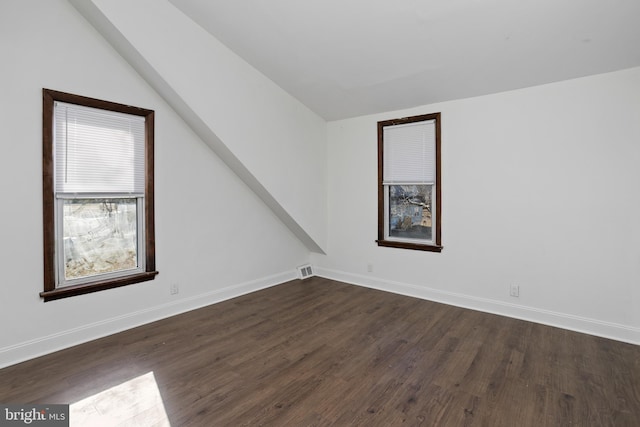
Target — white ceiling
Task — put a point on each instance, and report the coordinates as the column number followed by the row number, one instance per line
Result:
column 346, row 58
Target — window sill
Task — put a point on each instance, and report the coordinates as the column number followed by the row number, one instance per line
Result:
column 406, row 245
column 70, row 291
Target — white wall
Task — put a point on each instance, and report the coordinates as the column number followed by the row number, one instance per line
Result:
column 539, row 189
column 214, row 237
column 272, row 141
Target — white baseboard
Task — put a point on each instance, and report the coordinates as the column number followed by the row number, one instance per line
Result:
column 48, row 344
column 585, row 325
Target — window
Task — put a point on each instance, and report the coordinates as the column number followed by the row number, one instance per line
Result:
column 409, row 183
column 97, row 195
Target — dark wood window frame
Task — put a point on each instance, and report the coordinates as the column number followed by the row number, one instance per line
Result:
column 437, row 244
column 51, row 292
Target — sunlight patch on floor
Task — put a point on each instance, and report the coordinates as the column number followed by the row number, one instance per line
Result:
column 136, row 402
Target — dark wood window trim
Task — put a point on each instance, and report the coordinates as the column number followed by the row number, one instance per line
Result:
column 437, row 246
column 50, row 291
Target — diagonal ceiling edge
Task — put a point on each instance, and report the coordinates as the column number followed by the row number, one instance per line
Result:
column 106, row 18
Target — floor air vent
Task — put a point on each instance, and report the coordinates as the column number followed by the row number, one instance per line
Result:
column 305, row 271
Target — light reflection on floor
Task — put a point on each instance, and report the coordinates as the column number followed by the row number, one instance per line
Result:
column 136, row 402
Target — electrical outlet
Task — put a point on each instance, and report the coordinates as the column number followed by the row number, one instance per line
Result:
column 514, row 291
column 174, row 289
column 370, row 268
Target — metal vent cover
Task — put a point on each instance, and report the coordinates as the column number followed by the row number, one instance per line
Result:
column 305, row 271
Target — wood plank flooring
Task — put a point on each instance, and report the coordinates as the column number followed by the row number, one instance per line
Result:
column 320, row 353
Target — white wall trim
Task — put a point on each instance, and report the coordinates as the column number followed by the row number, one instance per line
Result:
column 40, row 346
column 585, row 325
column 48, row 344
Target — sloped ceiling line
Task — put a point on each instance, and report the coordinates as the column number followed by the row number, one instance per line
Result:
column 99, row 18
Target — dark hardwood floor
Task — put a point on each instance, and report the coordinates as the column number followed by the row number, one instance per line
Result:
column 320, row 352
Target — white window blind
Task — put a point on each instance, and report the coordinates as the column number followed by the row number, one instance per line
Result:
column 410, row 153
column 98, row 151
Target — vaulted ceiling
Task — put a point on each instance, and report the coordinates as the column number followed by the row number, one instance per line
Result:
column 345, row 58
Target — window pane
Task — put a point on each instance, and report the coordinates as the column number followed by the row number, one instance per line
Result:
column 410, row 211
column 100, row 236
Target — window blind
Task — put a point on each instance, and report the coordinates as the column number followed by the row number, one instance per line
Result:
column 409, row 154
column 98, row 151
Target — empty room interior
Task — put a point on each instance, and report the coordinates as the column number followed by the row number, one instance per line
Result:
column 345, row 213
